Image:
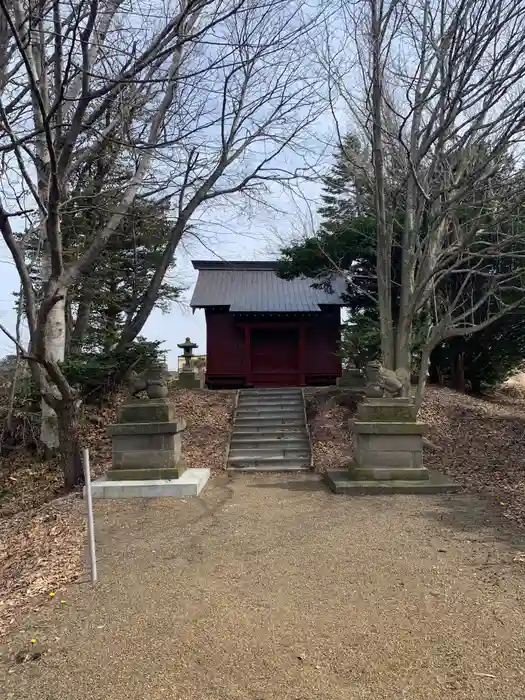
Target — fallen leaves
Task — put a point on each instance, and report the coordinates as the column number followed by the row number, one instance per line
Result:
column 26, row 483
column 208, row 417
column 330, row 411
column 479, row 442
column 40, row 550
column 42, row 540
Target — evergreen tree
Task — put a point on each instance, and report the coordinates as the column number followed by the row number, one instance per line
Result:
column 105, row 298
column 108, row 295
column 346, row 241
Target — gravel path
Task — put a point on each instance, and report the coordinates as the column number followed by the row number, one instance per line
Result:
column 270, row 588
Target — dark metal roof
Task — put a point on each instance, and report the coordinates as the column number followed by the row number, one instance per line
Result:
column 255, row 287
column 235, row 264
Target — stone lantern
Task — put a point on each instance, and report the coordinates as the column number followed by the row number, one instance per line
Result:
column 187, row 377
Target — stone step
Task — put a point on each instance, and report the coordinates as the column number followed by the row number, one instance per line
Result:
column 270, row 410
column 284, row 464
column 270, row 402
column 285, row 393
column 270, row 422
column 282, row 442
column 270, row 433
column 292, row 403
column 255, row 453
column 267, row 415
column 262, row 433
column 269, row 459
column 266, row 468
column 269, row 394
column 295, row 419
column 276, row 403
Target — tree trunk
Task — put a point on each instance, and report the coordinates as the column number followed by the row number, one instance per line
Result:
column 384, row 229
column 423, row 375
column 81, row 324
column 475, row 384
column 70, row 454
column 55, row 343
column 459, row 373
column 435, row 370
column 403, row 349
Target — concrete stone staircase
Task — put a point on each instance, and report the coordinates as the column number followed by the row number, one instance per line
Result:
column 270, row 432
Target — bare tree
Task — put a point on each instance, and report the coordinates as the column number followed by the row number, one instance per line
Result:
column 437, row 89
column 196, row 99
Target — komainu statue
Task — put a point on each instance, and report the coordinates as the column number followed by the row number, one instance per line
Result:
column 153, row 381
column 384, row 382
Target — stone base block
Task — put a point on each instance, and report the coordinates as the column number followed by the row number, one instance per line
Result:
column 147, row 411
column 146, row 473
column 190, row 483
column 389, row 446
column 386, row 410
column 189, row 380
column 360, row 473
column 146, row 459
column 351, row 378
column 389, row 428
column 339, row 481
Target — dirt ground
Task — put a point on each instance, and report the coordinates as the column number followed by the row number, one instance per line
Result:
column 271, row 588
column 42, row 536
column 478, row 441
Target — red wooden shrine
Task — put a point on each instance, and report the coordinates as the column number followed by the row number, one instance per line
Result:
column 263, row 331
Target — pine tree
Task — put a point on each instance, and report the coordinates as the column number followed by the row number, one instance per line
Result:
column 105, row 298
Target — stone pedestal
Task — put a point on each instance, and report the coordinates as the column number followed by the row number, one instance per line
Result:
column 388, row 441
column 388, row 453
column 146, row 442
column 189, row 380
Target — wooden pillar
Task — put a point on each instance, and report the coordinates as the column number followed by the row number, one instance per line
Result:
column 248, row 354
column 302, row 354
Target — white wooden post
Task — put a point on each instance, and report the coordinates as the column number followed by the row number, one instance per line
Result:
column 90, row 523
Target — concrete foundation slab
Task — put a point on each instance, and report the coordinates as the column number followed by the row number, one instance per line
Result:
column 190, row 483
column 339, row 482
